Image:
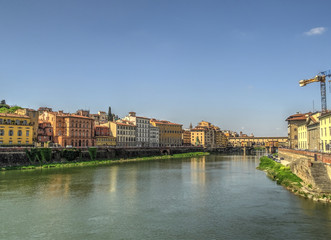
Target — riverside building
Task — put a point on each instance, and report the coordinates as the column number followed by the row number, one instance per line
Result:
column 170, row 133
column 124, row 131
column 70, row 129
column 15, row 130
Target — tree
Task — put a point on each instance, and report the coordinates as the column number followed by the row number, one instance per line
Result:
column 110, row 115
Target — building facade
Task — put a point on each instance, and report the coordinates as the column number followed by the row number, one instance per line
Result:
column 15, row 130
column 103, row 136
column 34, row 118
column 45, row 133
column 292, row 128
column 100, row 118
column 70, row 129
column 313, row 132
column 124, row 132
column 186, row 137
column 142, row 129
column 170, row 134
column 302, row 136
column 325, row 132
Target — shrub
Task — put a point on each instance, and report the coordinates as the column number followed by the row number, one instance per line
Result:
column 70, row 154
column 33, row 155
column 93, row 153
column 46, row 154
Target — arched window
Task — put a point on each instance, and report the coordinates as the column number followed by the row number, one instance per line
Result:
column 86, row 142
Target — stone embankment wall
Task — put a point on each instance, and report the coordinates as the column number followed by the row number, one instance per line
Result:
column 312, row 167
column 17, row 156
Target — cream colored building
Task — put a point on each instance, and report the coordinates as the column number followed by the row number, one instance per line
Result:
column 325, row 132
column 124, row 132
column 302, row 136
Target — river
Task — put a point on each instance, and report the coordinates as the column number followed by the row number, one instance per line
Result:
column 211, row 197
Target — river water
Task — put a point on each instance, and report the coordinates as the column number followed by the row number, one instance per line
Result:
column 212, row 197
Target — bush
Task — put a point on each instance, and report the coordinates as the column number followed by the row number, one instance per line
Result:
column 280, row 173
column 70, row 154
column 93, row 153
column 46, row 154
column 33, row 155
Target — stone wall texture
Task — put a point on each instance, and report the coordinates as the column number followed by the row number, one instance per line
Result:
column 17, row 156
column 312, row 167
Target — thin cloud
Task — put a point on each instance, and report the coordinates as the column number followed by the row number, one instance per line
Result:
column 315, row 31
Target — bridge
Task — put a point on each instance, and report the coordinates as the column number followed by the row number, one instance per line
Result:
column 270, row 143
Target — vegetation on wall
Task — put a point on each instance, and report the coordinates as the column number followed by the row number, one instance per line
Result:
column 93, row 153
column 70, row 154
column 46, row 154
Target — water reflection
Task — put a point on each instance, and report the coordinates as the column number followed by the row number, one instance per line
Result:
column 198, row 171
column 210, row 197
column 59, row 185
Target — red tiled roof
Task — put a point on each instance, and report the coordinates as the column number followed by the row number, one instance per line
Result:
column 298, row 117
column 165, row 122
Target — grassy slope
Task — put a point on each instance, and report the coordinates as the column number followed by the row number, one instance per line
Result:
column 280, row 173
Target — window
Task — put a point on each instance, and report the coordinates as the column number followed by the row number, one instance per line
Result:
column 1, row 120
column 11, row 133
column 25, row 122
column 2, row 132
column 27, row 133
column 19, row 133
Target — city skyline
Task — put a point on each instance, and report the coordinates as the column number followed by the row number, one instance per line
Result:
column 236, row 65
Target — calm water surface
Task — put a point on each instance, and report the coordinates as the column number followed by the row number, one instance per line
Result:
column 213, row 197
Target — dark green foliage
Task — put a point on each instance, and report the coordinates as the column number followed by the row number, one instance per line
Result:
column 46, row 154
column 33, row 155
column 70, row 154
column 93, row 153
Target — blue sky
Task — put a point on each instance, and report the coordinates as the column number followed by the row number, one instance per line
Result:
column 234, row 63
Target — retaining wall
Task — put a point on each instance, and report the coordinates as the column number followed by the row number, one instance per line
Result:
column 312, row 167
column 17, row 156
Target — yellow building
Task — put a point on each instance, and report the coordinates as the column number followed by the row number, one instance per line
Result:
column 302, row 136
column 170, row 134
column 208, row 135
column 325, row 132
column 105, row 141
column 34, row 118
column 15, row 129
column 292, row 128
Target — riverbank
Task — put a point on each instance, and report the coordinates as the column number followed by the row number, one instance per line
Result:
column 104, row 162
column 284, row 176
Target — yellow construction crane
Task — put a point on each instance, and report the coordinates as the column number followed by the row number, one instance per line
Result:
column 318, row 78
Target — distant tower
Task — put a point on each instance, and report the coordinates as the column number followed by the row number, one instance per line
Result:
column 191, row 126
column 110, row 116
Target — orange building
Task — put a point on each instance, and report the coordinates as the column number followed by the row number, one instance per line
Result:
column 71, row 129
column 45, row 132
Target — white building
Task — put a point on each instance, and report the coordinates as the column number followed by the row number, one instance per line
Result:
column 146, row 134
